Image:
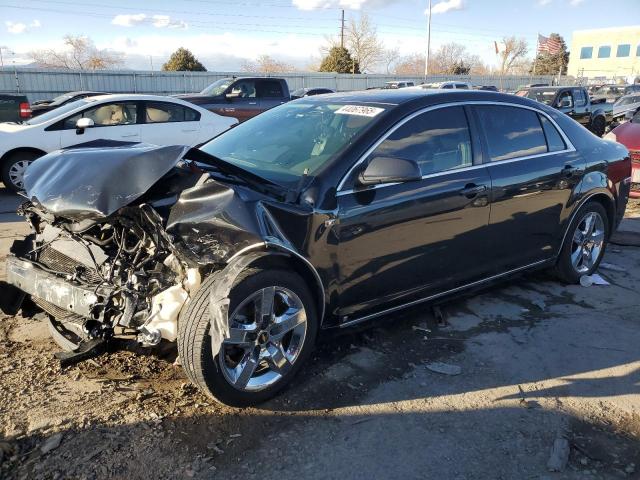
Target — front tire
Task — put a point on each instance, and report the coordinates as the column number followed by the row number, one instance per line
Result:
column 272, row 329
column 584, row 244
column 14, row 167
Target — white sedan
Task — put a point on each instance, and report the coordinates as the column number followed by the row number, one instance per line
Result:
column 125, row 118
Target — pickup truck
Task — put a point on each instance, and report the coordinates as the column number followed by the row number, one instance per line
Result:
column 242, row 97
column 14, row 108
column 576, row 103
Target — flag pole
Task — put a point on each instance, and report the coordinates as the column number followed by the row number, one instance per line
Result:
column 535, row 60
column 426, row 63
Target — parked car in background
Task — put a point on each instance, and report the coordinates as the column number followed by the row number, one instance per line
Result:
column 448, row 85
column 321, row 213
column 397, row 84
column 127, row 118
column 14, row 108
column 308, row 92
column 625, row 107
column 43, row 106
column 242, row 97
column 628, row 134
column 574, row 102
column 613, row 92
column 488, row 88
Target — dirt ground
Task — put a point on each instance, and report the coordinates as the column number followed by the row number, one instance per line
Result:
column 539, row 363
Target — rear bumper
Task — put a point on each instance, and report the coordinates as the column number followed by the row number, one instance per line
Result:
column 35, row 281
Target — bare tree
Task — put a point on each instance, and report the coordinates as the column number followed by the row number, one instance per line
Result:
column 363, row 43
column 390, row 58
column 513, row 52
column 266, row 64
column 79, row 53
column 412, row 65
column 453, row 58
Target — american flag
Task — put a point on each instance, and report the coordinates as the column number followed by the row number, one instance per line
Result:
column 548, row 44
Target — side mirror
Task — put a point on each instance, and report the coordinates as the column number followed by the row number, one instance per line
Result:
column 389, row 170
column 232, row 95
column 83, row 123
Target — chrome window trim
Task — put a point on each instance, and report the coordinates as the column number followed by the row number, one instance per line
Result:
column 438, row 295
column 569, row 145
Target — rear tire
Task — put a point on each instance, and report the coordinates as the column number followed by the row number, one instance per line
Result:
column 13, row 169
column 599, row 126
column 275, row 356
column 584, row 244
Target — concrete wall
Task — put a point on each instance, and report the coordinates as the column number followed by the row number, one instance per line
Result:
column 40, row 84
column 607, row 68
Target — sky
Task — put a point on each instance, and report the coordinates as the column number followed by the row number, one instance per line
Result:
column 224, row 34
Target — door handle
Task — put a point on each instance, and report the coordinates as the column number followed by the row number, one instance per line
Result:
column 471, row 190
column 568, row 171
column 253, row 103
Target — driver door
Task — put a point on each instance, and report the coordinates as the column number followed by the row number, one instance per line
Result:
column 112, row 121
column 246, row 104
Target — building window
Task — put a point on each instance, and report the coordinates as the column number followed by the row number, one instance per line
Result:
column 604, row 52
column 623, row 50
column 586, row 52
column 638, row 51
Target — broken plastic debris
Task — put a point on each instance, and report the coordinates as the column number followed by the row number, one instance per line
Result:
column 595, row 279
column 444, row 368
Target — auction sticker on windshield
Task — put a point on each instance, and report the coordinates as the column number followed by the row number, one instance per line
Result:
column 360, row 110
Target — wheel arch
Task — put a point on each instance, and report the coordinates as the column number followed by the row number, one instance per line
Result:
column 11, row 152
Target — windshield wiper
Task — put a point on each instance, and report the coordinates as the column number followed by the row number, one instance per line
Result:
column 232, row 170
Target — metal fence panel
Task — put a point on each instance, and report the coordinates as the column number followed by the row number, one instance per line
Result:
column 40, row 84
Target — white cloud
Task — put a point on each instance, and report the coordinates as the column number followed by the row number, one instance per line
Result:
column 164, row 21
column 445, row 6
column 575, row 3
column 158, row 21
column 19, row 27
column 129, row 20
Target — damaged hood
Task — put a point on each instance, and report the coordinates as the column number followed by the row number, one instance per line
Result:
column 90, row 183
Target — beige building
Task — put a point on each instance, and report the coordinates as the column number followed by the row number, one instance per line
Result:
column 606, row 53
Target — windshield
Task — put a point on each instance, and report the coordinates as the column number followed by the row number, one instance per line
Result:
column 542, row 96
column 284, row 142
column 217, row 88
column 56, row 112
column 627, row 101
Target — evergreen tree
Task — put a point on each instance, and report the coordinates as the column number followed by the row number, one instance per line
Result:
column 182, row 60
column 339, row 60
column 550, row 64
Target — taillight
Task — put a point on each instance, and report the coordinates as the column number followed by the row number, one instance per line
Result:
column 25, row 110
column 635, row 156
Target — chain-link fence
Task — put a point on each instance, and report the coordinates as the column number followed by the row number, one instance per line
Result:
column 40, row 84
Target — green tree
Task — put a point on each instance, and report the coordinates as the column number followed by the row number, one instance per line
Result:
column 183, row 60
column 339, row 60
column 550, row 64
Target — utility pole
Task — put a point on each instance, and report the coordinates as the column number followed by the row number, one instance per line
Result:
column 426, row 63
column 342, row 31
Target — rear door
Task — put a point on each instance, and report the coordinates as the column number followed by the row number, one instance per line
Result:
column 270, row 93
column 401, row 241
column 167, row 123
column 112, row 121
column 533, row 170
column 581, row 110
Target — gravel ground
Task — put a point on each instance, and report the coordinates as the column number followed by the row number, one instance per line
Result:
column 527, row 365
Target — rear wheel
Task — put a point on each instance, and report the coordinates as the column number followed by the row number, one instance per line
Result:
column 272, row 329
column 584, row 244
column 599, row 125
column 14, row 167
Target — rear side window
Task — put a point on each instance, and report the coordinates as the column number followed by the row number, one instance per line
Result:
column 161, row 112
column 270, row 89
column 438, row 140
column 462, row 85
column 555, row 143
column 511, row 132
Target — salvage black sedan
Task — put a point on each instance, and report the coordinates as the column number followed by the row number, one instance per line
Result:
column 324, row 212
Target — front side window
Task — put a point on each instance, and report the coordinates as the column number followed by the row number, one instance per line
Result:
column 107, row 115
column 438, row 140
column 245, row 89
column 283, row 143
column 586, row 52
column 511, row 132
column 623, row 50
column 565, row 100
column 604, row 52
column 162, row 112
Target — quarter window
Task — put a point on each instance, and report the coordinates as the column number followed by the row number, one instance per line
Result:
column 586, row 52
column 555, row 143
column 163, row 112
column 623, row 50
column 438, row 140
column 511, row 132
column 604, row 52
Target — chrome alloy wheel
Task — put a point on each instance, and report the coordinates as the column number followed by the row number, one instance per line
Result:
column 16, row 173
column 266, row 334
column 588, row 241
